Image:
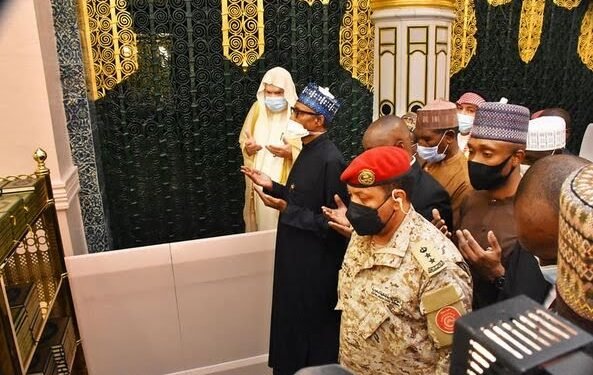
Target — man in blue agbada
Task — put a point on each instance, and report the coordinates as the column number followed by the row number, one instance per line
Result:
column 305, row 326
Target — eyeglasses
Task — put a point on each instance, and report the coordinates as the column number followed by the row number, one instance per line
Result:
column 297, row 112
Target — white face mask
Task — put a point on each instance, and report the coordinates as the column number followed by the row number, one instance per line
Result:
column 466, row 122
column 523, row 168
column 549, row 273
column 276, row 104
column 295, row 130
column 431, row 154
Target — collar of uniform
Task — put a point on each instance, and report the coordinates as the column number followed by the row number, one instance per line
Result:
column 392, row 254
column 398, row 245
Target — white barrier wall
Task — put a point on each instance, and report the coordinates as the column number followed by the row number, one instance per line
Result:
column 194, row 307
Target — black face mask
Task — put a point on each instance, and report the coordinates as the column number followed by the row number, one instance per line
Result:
column 365, row 220
column 487, row 177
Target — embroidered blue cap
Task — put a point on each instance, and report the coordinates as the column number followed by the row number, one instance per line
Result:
column 501, row 122
column 320, row 100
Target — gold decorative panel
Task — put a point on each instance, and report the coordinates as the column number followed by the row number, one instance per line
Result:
column 585, row 47
column 243, row 31
column 387, row 4
column 36, row 260
column 357, row 41
column 496, row 3
column 310, row 2
column 530, row 28
column 463, row 35
column 108, row 43
column 568, row 4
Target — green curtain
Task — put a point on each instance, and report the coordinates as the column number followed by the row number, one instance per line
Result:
column 555, row 77
column 169, row 133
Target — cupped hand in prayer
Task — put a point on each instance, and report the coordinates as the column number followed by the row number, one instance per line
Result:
column 488, row 263
column 258, row 177
column 284, row 151
column 269, row 201
column 336, row 217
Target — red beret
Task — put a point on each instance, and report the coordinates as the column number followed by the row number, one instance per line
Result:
column 377, row 166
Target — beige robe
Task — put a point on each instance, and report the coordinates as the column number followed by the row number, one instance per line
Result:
column 267, row 128
column 453, row 175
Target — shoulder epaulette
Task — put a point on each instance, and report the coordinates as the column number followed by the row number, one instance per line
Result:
column 429, row 259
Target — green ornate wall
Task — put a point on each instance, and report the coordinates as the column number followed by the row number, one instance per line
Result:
column 169, row 132
column 169, row 120
column 555, row 77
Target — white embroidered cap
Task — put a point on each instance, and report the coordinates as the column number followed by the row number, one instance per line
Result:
column 546, row 133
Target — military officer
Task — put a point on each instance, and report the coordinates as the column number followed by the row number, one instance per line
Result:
column 403, row 283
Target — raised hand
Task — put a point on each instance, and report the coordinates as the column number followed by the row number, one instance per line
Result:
column 488, row 263
column 438, row 222
column 336, row 217
column 258, row 177
column 251, row 146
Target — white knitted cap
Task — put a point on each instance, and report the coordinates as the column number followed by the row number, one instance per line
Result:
column 546, row 134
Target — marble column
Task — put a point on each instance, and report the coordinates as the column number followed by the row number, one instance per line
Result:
column 412, row 53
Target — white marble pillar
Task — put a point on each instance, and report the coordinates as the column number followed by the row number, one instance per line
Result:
column 412, row 53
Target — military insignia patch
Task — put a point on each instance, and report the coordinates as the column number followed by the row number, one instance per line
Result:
column 428, row 257
column 442, row 308
column 445, row 318
column 366, row 177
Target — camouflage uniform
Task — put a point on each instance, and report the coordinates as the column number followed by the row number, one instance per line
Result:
column 399, row 302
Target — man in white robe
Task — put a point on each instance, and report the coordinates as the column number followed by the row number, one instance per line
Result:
column 266, row 145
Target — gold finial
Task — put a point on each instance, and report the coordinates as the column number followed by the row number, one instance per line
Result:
column 39, row 155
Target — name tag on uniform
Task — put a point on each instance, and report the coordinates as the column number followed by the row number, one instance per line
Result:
column 381, row 295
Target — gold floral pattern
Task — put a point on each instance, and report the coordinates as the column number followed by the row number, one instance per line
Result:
column 108, row 43
column 243, row 31
column 463, row 35
column 357, row 35
column 530, row 28
column 585, row 46
column 496, row 3
column 568, row 4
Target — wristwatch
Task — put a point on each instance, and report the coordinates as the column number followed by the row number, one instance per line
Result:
column 499, row 282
